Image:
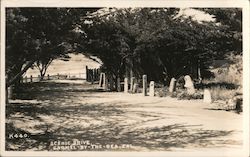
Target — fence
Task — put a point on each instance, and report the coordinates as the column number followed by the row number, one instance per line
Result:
column 92, row 75
column 58, row 76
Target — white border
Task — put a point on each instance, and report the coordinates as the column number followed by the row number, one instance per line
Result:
column 136, row 3
column 123, row 3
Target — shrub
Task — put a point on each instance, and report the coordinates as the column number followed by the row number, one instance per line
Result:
column 182, row 94
column 232, row 74
column 161, row 92
column 220, row 93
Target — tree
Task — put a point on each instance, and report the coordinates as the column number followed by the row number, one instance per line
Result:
column 38, row 35
column 155, row 42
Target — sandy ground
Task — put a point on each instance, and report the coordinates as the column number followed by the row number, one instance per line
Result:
column 79, row 111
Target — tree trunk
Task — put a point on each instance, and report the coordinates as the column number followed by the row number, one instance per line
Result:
column 18, row 75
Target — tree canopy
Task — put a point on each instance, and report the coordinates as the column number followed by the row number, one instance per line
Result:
column 129, row 41
column 154, row 41
column 38, row 35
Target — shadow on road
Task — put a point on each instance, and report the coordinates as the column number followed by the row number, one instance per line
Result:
column 63, row 118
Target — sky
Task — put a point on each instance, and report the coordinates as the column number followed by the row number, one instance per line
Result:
column 77, row 64
column 196, row 14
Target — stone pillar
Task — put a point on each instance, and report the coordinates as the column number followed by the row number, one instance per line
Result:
column 144, row 85
column 172, row 85
column 31, row 78
column 189, row 85
column 207, row 98
column 152, row 88
column 48, row 76
column 118, row 84
column 57, row 75
column 125, row 85
column 132, row 81
column 135, row 88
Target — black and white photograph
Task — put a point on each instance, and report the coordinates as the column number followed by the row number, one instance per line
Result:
column 129, row 79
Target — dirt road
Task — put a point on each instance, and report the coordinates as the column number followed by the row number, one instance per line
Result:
column 112, row 121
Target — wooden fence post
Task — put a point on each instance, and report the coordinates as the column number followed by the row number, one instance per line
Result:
column 87, row 74
column 31, row 78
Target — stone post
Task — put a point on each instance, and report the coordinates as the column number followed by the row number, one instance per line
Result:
column 152, row 88
column 100, row 80
column 39, row 77
column 189, row 85
column 57, row 75
column 144, row 85
column 132, row 81
column 118, row 84
column 207, row 98
column 48, row 76
column 172, row 85
column 125, row 85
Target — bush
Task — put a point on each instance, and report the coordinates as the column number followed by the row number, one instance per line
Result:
column 186, row 96
column 161, row 92
column 232, row 74
column 220, row 93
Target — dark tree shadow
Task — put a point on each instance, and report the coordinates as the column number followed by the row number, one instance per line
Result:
column 104, row 123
